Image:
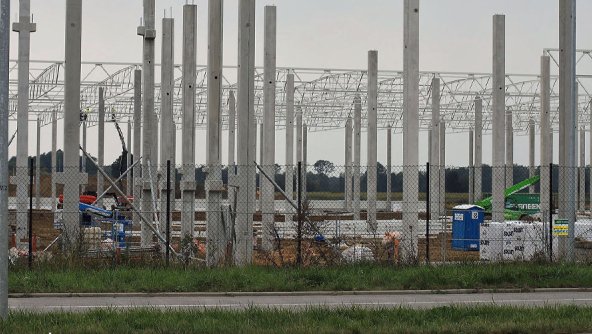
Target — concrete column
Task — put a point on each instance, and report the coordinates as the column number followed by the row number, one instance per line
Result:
column 372, row 140
column 357, row 154
column 582, row 176
column 389, row 168
column 101, row 143
column 260, row 185
column 498, row 124
column 168, row 134
column 471, row 168
column 348, row 165
column 247, row 132
column 83, row 158
column 38, row 168
column 546, row 135
column 129, row 178
column 442, row 183
column 4, row 113
column 54, row 159
column 216, row 242
column 188, row 184
column 299, row 137
column 71, row 176
column 24, row 28
column 509, row 150
column 150, row 132
column 410, row 131
column 478, row 184
column 231, row 147
column 434, row 157
column 531, row 152
column 568, row 112
column 137, row 147
column 289, row 143
column 304, row 161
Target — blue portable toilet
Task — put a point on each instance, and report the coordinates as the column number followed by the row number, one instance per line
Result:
column 466, row 223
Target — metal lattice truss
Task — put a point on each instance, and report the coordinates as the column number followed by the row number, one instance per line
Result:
column 325, row 96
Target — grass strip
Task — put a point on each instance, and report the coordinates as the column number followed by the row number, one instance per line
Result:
column 486, row 319
column 359, row 277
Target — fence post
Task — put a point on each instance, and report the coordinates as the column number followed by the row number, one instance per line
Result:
column 551, row 208
column 31, row 168
column 168, row 212
column 299, row 241
column 427, row 213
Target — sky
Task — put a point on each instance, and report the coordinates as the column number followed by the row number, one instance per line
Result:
column 455, row 35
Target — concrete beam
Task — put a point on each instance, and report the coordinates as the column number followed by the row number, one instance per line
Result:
column 499, row 120
column 372, row 140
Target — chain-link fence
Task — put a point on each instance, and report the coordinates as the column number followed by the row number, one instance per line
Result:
column 308, row 215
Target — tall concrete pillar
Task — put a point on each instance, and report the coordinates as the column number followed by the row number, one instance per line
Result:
column 247, row 132
column 509, row 150
column 410, row 131
column 128, row 180
column 442, row 184
column 24, row 27
column 582, row 176
column 498, row 124
column 260, row 185
column 167, row 126
column 357, row 154
column 150, row 129
column 4, row 113
column 216, row 243
column 568, row 112
column 304, row 161
column 478, row 184
column 471, row 167
column 531, row 152
column 372, row 140
column 434, row 157
column 289, row 143
column 101, row 143
column 71, row 176
column 188, row 184
column 54, row 159
column 38, row 168
column 231, row 147
column 83, row 158
column 348, row 165
column 389, row 168
column 546, row 135
column 137, row 147
column 299, row 137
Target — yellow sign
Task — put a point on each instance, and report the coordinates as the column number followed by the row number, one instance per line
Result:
column 560, row 229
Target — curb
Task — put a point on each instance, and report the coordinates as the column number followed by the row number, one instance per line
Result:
column 296, row 293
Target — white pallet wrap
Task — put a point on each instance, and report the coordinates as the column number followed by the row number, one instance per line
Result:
column 491, row 244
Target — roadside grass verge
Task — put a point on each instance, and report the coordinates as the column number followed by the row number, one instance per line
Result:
column 358, row 277
column 485, row 319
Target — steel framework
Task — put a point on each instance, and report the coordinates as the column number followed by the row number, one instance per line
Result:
column 325, row 96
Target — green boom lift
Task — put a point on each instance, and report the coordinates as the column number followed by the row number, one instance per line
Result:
column 511, row 214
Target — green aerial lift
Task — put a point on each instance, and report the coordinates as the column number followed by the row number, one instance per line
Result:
column 511, row 214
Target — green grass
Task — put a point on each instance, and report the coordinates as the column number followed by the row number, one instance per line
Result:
column 487, row 319
column 343, row 278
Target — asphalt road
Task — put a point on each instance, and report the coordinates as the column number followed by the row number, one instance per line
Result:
column 286, row 301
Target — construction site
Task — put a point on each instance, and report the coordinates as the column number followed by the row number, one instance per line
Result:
column 258, row 198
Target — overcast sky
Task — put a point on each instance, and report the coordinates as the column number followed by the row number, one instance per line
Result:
column 455, row 35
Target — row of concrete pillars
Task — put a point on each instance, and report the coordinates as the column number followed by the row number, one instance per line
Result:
column 242, row 180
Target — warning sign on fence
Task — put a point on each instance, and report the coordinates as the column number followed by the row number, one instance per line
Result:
column 560, row 228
